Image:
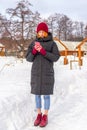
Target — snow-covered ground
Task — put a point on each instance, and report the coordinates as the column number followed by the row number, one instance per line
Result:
column 68, row 104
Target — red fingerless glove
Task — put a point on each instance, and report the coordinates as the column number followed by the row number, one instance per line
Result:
column 43, row 51
column 34, row 51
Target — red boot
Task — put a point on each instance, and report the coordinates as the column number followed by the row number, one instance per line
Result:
column 44, row 121
column 38, row 120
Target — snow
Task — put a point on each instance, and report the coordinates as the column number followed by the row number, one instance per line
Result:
column 1, row 45
column 68, row 104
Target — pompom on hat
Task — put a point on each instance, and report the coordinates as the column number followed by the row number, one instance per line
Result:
column 42, row 26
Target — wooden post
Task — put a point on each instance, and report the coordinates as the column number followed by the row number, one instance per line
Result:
column 65, row 58
column 79, row 56
column 71, row 61
column 66, row 49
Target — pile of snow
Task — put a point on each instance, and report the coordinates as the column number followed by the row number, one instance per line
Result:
column 68, row 104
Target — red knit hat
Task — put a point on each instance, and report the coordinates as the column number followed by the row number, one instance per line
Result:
column 42, row 26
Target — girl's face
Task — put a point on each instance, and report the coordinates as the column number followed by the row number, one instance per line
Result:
column 42, row 34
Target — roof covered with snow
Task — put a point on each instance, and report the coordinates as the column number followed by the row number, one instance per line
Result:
column 71, row 45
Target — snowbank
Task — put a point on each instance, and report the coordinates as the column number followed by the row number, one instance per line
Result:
column 68, row 104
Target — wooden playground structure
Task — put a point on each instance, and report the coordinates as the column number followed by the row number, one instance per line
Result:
column 76, row 52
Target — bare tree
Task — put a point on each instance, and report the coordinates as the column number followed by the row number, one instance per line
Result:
column 3, row 24
column 35, row 20
column 58, row 25
column 51, row 23
column 81, row 29
column 85, row 31
column 20, row 18
column 78, row 30
column 66, row 27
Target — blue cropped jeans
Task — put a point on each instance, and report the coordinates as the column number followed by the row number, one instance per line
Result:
column 46, row 101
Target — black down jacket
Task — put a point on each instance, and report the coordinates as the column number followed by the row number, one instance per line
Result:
column 42, row 72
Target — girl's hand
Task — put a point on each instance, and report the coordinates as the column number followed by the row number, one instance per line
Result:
column 37, row 46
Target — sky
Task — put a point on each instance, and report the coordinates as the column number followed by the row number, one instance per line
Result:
column 75, row 9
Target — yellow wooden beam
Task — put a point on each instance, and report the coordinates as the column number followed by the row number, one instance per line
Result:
column 81, row 43
column 56, row 39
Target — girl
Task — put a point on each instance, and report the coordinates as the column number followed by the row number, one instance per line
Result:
column 43, row 51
